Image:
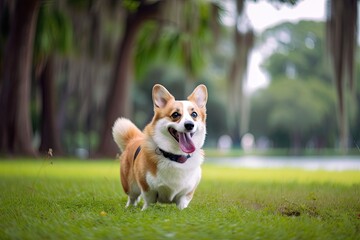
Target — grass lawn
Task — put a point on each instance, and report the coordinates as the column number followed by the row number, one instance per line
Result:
column 58, row 199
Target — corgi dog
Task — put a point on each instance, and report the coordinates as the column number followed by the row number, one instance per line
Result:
column 162, row 162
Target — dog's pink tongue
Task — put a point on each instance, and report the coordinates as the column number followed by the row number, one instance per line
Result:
column 185, row 142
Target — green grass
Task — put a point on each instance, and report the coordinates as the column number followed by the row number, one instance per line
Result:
column 57, row 199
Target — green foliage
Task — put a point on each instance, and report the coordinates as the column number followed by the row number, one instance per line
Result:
column 295, row 107
column 83, row 200
column 54, row 32
column 131, row 5
column 184, row 42
column 300, row 51
column 299, row 105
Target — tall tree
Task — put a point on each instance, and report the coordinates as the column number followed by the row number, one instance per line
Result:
column 341, row 29
column 118, row 103
column 243, row 43
column 15, row 125
column 53, row 35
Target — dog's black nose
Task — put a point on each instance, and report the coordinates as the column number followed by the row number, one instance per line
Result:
column 189, row 125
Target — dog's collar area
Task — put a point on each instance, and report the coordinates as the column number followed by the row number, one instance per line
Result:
column 173, row 157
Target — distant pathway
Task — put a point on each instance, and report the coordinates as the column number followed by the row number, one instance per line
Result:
column 330, row 163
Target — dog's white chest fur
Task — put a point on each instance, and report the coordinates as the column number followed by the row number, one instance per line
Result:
column 174, row 181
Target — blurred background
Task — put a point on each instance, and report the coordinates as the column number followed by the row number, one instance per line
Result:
column 282, row 75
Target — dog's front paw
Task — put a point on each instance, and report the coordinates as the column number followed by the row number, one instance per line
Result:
column 132, row 201
column 182, row 203
column 181, row 206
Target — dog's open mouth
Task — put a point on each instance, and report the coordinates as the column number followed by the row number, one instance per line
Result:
column 184, row 139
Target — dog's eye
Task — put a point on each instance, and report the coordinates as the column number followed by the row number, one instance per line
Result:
column 194, row 115
column 175, row 115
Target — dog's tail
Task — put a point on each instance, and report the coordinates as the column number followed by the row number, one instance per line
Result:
column 123, row 131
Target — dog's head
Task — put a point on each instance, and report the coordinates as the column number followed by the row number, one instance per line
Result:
column 179, row 126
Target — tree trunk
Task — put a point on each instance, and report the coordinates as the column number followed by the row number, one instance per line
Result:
column 118, row 103
column 232, row 99
column 341, row 34
column 238, row 114
column 49, row 132
column 15, row 122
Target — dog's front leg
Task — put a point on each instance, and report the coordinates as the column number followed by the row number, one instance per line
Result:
column 132, row 200
column 183, row 201
column 149, row 197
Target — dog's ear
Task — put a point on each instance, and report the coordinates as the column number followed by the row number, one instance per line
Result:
column 161, row 96
column 199, row 96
